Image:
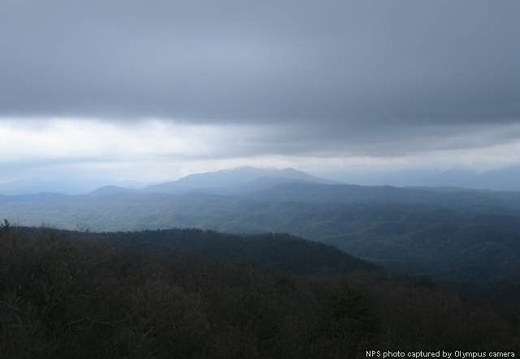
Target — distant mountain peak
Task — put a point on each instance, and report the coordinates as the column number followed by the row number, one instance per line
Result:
column 240, row 179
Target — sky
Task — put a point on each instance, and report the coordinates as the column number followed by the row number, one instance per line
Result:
column 111, row 91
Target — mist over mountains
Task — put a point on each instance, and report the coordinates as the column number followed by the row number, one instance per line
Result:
column 243, row 179
column 452, row 234
column 502, row 179
column 249, row 178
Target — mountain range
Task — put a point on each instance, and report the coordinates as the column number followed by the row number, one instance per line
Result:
column 233, row 181
column 452, row 234
column 502, row 179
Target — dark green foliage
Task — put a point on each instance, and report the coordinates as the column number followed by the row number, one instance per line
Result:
column 349, row 321
column 468, row 238
column 72, row 295
column 273, row 252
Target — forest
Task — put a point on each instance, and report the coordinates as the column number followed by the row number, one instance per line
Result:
column 466, row 239
column 191, row 293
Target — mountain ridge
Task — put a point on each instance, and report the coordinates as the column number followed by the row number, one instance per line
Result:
column 417, row 230
column 236, row 180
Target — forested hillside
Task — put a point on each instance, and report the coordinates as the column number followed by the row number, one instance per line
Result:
column 199, row 294
column 468, row 238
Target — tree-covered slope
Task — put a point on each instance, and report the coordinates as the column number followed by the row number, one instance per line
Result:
column 79, row 295
column 278, row 253
column 449, row 234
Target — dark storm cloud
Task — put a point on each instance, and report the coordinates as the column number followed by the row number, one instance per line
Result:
column 339, row 65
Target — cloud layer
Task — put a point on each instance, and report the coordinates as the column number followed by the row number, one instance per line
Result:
column 237, row 78
column 337, row 61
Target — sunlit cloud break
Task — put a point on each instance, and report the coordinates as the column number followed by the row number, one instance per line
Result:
column 154, row 149
column 65, row 138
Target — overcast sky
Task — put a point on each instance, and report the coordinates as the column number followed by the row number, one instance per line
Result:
column 151, row 90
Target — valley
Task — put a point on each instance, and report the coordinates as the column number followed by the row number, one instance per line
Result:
column 458, row 236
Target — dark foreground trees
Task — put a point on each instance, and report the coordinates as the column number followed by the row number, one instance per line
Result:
column 62, row 296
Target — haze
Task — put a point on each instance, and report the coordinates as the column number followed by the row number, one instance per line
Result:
column 112, row 91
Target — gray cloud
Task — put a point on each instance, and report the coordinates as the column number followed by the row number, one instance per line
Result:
column 286, row 60
column 354, row 77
